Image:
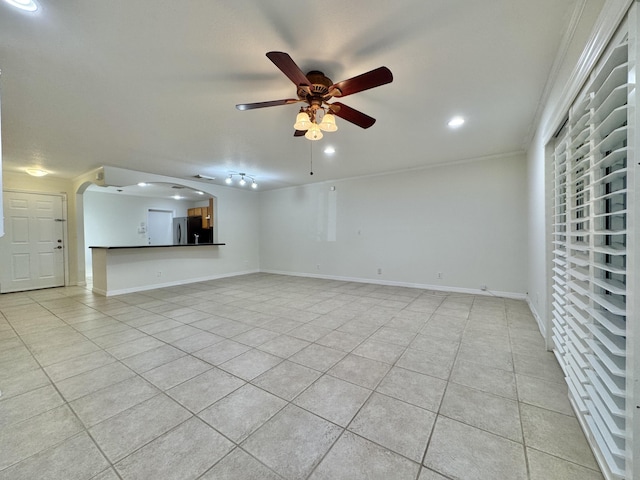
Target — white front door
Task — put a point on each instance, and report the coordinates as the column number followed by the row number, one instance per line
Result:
column 160, row 227
column 32, row 249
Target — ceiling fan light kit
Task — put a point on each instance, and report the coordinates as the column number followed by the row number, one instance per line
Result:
column 316, row 89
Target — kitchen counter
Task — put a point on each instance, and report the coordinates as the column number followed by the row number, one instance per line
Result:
column 126, row 269
column 160, row 246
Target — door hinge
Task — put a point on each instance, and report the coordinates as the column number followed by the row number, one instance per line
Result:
column 59, row 220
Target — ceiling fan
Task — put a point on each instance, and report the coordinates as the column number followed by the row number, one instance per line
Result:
column 316, row 89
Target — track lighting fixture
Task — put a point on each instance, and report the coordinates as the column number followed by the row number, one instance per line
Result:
column 242, row 181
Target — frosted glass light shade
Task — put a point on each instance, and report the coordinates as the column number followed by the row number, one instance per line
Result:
column 26, row 5
column 302, row 121
column 313, row 133
column 328, row 123
column 36, row 172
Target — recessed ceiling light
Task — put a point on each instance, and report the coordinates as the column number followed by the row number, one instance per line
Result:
column 200, row 193
column 36, row 172
column 329, row 150
column 26, row 5
column 177, row 197
column 456, row 122
column 142, row 184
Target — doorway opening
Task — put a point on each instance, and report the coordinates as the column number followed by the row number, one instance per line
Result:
column 160, row 227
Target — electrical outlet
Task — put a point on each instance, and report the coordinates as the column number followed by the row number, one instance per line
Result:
column 379, row 271
column 318, row 266
column 483, row 288
column 439, row 275
column 159, row 274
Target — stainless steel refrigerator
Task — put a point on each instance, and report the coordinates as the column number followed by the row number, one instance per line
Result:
column 180, row 231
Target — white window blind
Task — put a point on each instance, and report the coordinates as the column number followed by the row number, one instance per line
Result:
column 588, row 186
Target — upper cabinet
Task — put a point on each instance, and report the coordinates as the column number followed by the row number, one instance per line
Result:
column 206, row 213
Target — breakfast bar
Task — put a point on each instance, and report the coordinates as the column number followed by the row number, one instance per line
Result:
column 127, row 269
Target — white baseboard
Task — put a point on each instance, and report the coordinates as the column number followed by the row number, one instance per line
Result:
column 391, row 283
column 534, row 312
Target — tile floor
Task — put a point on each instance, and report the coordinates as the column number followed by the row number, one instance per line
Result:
column 266, row 377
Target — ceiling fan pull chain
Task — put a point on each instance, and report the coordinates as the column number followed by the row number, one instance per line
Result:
column 311, row 155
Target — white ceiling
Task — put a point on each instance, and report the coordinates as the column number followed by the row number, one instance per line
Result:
column 152, row 85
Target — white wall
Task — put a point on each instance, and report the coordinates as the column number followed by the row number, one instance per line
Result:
column 465, row 220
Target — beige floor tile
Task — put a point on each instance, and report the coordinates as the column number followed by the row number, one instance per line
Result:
column 333, row 399
column 75, row 458
column 360, row 370
column 174, row 373
column 467, row 453
column 239, row 465
column 293, row 442
column 483, row 410
column 109, row 474
column 544, row 467
column 221, row 352
column 251, row 364
column 21, row 440
column 283, row 346
column 286, row 379
column 394, row 424
column 93, row 380
column 543, row 365
column 120, row 435
column 355, row 458
column 435, row 345
column 541, row 393
column 185, row 452
column 27, row 405
column 413, row 387
column 110, row 401
column 341, row 340
column 139, row 345
column 556, row 434
column 427, row 474
column 435, row 365
column 240, row 413
column 400, row 341
column 395, row 336
column 256, row 336
column 487, row 355
column 205, row 389
column 380, row 351
column 143, row 362
column 177, row 333
column 318, row 357
column 197, row 341
column 488, row 379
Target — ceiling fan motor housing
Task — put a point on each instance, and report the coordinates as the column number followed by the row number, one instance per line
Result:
column 319, row 88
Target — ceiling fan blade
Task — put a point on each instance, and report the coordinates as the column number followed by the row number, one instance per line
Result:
column 351, row 115
column 285, row 63
column 372, row 79
column 273, row 103
column 299, row 133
